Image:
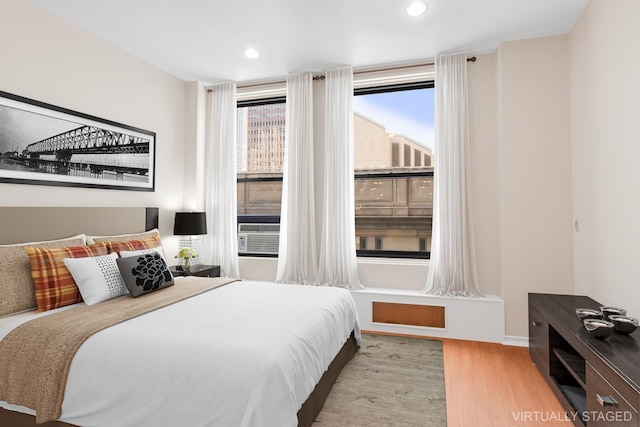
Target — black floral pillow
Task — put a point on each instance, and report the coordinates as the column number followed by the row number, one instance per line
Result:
column 144, row 273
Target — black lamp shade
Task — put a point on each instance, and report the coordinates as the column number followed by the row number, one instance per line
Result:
column 190, row 223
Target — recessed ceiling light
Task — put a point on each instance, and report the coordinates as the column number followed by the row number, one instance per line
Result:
column 416, row 8
column 251, row 53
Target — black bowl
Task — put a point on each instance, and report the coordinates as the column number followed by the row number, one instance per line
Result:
column 598, row 328
column 623, row 324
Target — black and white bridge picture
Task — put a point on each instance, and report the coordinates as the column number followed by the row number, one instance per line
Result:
column 44, row 144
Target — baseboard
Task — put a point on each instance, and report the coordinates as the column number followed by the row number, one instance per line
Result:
column 516, row 341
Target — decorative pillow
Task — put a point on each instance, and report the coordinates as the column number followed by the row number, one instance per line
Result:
column 97, row 278
column 144, row 273
column 132, row 245
column 157, row 249
column 16, row 285
column 124, row 237
column 53, row 282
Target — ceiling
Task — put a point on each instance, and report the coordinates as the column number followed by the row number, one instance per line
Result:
column 204, row 39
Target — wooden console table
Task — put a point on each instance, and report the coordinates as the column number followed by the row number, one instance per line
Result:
column 596, row 381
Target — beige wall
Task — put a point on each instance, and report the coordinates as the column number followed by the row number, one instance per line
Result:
column 574, row 98
column 483, row 131
column 534, row 191
column 605, row 89
column 50, row 60
column 519, row 108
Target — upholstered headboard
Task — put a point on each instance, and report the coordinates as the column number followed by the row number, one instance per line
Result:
column 27, row 224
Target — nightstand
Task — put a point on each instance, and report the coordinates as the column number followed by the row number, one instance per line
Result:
column 201, row 270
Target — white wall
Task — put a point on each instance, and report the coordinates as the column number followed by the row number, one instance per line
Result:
column 194, row 147
column 48, row 59
column 605, row 94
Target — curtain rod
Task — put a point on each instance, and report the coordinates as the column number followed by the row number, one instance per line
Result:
column 322, row 76
column 397, row 67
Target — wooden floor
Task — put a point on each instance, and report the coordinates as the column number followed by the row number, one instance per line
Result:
column 493, row 385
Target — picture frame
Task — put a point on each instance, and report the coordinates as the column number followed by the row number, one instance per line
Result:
column 43, row 144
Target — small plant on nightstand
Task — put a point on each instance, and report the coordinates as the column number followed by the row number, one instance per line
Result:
column 186, row 254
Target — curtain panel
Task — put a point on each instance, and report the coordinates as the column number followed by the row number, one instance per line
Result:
column 338, row 261
column 452, row 268
column 297, row 258
column 221, row 181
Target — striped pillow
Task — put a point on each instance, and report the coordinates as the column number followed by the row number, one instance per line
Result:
column 53, row 282
column 123, row 237
column 133, row 245
column 16, row 285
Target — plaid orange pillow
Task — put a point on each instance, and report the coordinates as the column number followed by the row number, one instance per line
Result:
column 132, row 245
column 53, row 282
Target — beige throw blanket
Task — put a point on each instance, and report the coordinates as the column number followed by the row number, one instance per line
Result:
column 36, row 356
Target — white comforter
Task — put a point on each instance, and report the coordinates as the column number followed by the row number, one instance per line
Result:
column 245, row 354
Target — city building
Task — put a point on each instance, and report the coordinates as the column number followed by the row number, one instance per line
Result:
column 261, row 130
column 393, row 213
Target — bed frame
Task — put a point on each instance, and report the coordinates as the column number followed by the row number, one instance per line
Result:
column 33, row 224
column 48, row 223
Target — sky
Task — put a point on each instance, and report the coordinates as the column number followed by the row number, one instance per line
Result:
column 408, row 112
column 19, row 128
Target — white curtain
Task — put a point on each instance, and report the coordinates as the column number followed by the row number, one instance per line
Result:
column 452, row 268
column 338, row 262
column 297, row 260
column 221, row 181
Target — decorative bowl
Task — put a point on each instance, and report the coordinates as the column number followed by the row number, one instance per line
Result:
column 623, row 324
column 598, row 328
column 588, row 313
column 608, row 311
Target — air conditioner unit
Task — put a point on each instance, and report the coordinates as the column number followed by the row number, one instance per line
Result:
column 258, row 238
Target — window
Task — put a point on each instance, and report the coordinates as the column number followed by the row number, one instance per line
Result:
column 393, row 136
column 363, row 243
column 407, row 155
column 378, row 243
column 393, row 158
column 260, row 161
column 395, row 154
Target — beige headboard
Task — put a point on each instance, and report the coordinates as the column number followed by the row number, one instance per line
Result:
column 28, row 224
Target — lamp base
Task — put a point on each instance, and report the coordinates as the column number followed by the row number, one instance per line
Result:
column 194, row 242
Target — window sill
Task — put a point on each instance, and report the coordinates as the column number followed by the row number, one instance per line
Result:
column 360, row 259
column 393, row 261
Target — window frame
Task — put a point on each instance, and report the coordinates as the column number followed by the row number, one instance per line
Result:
column 253, row 218
column 427, row 83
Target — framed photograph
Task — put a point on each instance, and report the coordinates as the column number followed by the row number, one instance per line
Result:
column 43, row 144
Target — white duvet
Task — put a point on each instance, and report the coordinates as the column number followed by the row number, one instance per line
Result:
column 244, row 354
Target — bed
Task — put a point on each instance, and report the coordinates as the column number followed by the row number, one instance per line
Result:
column 243, row 353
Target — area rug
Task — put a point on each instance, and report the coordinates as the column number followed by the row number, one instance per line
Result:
column 391, row 381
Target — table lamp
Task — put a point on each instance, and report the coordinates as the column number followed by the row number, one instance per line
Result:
column 190, row 226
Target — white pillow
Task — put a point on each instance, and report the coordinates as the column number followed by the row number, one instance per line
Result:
column 158, row 249
column 98, row 278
